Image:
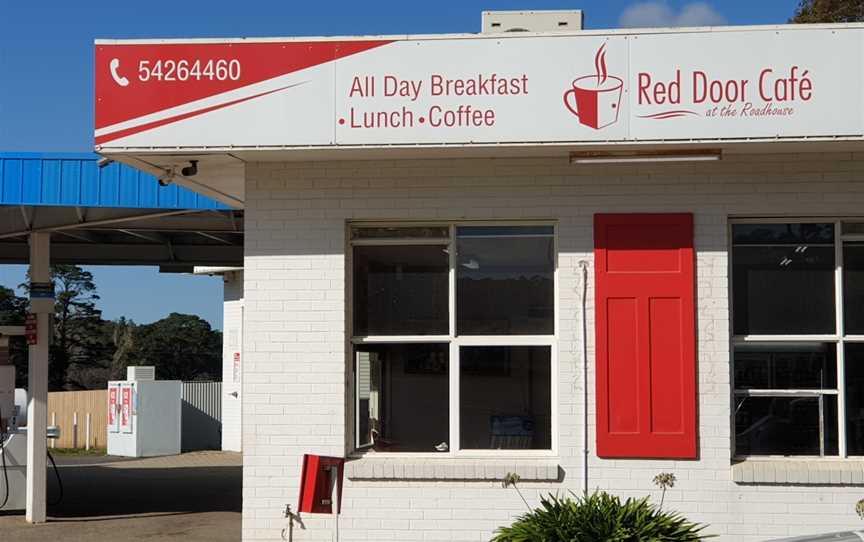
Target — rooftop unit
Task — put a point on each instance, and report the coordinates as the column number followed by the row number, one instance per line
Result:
column 496, row 22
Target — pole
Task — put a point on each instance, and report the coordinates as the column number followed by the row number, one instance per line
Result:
column 334, row 500
column 87, row 432
column 75, row 430
column 584, row 265
column 37, row 381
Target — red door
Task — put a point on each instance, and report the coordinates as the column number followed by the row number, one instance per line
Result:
column 646, row 335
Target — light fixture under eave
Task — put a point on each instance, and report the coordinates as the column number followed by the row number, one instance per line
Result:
column 645, row 157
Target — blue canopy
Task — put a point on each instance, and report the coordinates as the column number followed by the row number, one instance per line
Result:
column 76, row 180
column 113, row 214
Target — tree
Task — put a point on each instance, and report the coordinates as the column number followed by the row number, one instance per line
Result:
column 87, row 351
column 13, row 310
column 78, row 344
column 123, row 337
column 181, row 347
column 76, row 326
column 829, row 11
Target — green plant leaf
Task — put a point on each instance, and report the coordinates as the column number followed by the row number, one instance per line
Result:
column 599, row 517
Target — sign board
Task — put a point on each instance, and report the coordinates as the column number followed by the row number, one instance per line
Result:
column 733, row 84
column 236, row 371
column 112, row 409
column 31, row 329
column 126, row 408
column 41, row 290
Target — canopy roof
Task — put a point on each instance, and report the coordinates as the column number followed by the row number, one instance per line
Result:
column 111, row 213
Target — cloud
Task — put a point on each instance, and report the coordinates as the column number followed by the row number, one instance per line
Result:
column 659, row 13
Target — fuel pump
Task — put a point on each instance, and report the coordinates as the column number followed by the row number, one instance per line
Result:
column 12, row 474
column 13, row 430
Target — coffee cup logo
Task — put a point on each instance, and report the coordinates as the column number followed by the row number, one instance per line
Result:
column 595, row 99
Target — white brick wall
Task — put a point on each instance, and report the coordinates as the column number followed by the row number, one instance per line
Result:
column 232, row 343
column 295, row 375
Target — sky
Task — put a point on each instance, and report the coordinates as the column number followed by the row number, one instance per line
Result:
column 46, row 79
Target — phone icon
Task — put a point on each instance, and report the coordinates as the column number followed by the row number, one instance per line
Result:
column 120, row 80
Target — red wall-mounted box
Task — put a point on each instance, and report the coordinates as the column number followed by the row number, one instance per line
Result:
column 316, row 484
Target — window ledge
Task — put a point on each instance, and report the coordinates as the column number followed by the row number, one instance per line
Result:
column 799, row 471
column 397, row 468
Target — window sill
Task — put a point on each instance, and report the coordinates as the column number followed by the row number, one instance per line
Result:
column 818, row 471
column 414, row 468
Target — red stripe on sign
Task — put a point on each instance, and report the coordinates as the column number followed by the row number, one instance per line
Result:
column 133, row 80
column 646, row 335
column 168, row 120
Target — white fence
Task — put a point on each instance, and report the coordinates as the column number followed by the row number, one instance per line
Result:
column 202, row 416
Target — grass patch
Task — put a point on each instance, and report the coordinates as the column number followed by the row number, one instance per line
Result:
column 77, row 451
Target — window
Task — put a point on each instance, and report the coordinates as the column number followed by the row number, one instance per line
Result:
column 505, row 397
column 798, row 343
column 400, row 290
column 512, row 291
column 453, row 333
column 402, row 396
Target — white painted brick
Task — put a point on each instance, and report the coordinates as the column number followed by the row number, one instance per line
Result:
column 294, row 373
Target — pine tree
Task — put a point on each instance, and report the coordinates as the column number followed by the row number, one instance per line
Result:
column 829, row 11
column 77, row 326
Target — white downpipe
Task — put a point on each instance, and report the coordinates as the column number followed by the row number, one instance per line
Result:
column 584, row 265
column 334, row 500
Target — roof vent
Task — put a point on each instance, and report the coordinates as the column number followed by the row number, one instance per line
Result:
column 498, row 22
column 140, row 372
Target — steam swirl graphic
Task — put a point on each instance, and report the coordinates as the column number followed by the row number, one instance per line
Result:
column 600, row 64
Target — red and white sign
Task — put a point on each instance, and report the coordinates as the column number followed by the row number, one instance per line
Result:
column 731, row 84
column 595, row 99
column 166, row 88
column 31, row 329
column 112, row 408
column 236, row 371
column 126, row 408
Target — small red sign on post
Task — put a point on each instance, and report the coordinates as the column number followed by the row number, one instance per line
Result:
column 30, row 329
column 236, row 372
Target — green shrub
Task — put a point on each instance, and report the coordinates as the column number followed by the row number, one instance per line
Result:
column 599, row 517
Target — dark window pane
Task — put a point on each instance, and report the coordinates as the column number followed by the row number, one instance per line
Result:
column 782, row 234
column 504, row 231
column 786, row 366
column 505, row 397
column 505, row 283
column 785, row 425
column 854, row 362
column 412, row 232
column 400, row 290
column 783, row 288
column 853, row 287
column 403, row 397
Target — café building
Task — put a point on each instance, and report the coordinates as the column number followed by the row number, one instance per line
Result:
column 583, row 257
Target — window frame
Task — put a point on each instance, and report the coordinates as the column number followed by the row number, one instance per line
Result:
column 455, row 341
column 839, row 338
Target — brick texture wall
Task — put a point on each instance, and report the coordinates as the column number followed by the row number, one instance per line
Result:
column 232, row 343
column 294, row 387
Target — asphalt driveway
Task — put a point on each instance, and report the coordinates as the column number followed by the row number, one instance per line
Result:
column 192, row 497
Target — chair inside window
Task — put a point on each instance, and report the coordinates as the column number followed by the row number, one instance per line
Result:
column 511, row 432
